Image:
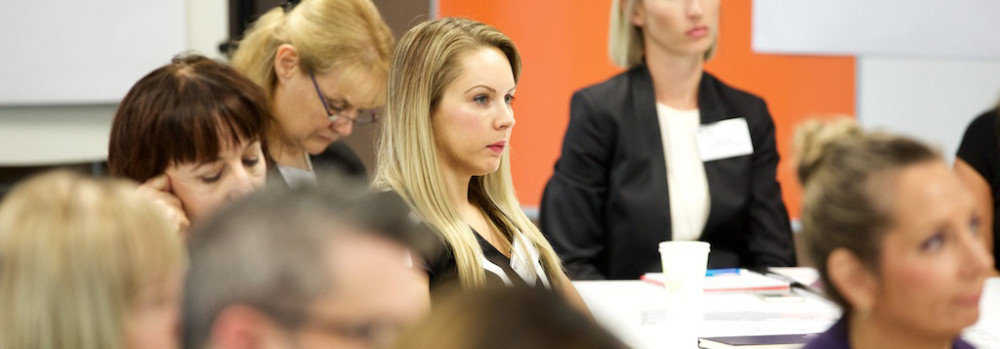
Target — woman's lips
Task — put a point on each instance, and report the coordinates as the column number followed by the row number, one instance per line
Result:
column 697, row 32
column 497, row 147
column 970, row 300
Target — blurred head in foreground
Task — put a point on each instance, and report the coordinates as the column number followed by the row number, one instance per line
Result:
column 503, row 317
column 305, row 267
column 893, row 232
column 87, row 263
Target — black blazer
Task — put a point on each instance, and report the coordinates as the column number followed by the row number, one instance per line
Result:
column 606, row 207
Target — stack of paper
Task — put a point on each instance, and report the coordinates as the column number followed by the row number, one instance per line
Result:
column 744, row 281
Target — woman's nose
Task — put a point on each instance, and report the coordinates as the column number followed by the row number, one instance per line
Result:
column 980, row 260
column 242, row 183
column 345, row 124
column 506, row 119
column 695, row 8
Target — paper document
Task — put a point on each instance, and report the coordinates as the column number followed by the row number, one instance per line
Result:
column 745, row 281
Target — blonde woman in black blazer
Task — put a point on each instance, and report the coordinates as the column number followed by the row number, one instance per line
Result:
column 607, row 205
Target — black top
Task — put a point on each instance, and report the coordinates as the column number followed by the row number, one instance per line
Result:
column 439, row 258
column 442, row 269
column 980, row 148
column 607, row 207
column 836, row 338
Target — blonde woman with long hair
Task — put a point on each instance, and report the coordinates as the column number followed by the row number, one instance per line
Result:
column 444, row 149
column 87, row 264
column 323, row 65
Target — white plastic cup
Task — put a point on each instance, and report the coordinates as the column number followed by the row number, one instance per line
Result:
column 684, row 265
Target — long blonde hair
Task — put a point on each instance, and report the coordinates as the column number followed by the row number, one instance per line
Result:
column 328, row 34
column 75, row 253
column 426, row 61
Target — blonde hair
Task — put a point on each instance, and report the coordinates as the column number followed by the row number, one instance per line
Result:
column 625, row 40
column 75, row 253
column 426, row 61
column 349, row 35
column 844, row 172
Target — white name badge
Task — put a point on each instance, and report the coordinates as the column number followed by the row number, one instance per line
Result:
column 724, row 139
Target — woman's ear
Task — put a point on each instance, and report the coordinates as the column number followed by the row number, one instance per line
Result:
column 638, row 15
column 286, row 61
column 855, row 282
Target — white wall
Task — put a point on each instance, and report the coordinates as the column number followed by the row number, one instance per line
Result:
column 55, row 134
column 924, row 67
column 931, row 99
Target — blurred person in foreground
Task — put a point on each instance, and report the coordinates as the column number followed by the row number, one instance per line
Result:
column 893, row 233
column 309, row 267
column 87, row 264
column 504, row 317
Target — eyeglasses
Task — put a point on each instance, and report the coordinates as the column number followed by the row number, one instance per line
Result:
column 362, row 116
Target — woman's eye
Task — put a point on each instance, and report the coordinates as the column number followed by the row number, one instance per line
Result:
column 509, row 99
column 933, row 243
column 212, row 179
column 974, row 226
column 251, row 162
column 481, row 99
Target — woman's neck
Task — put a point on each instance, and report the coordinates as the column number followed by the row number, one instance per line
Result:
column 870, row 332
column 675, row 78
column 285, row 152
column 457, row 187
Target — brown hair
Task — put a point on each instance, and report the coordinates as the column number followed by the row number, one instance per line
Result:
column 184, row 111
column 844, row 172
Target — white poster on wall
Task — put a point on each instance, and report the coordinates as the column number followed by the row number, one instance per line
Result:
column 83, row 52
column 911, row 28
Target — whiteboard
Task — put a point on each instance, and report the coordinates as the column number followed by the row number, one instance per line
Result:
column 909, row 28
column 83, row 52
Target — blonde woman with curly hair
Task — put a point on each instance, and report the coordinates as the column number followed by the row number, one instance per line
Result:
column 87, row 264
column 445, row 150
column 323, row 65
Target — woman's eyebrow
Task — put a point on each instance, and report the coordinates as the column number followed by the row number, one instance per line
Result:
column 492, row 90
column 211, row 161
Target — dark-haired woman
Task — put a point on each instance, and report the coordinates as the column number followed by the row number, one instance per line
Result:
column 191, row 133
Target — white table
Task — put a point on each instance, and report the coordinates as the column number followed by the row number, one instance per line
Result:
column 633, row 311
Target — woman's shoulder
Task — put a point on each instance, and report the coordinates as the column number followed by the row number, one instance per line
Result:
column 721, row 90
column 986, row 121
column 618, row 84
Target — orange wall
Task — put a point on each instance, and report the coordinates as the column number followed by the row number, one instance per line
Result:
column 563, row 46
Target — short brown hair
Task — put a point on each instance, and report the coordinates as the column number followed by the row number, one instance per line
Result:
column 184, row 112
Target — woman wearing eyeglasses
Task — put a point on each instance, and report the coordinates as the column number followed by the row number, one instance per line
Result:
column 323, row 65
